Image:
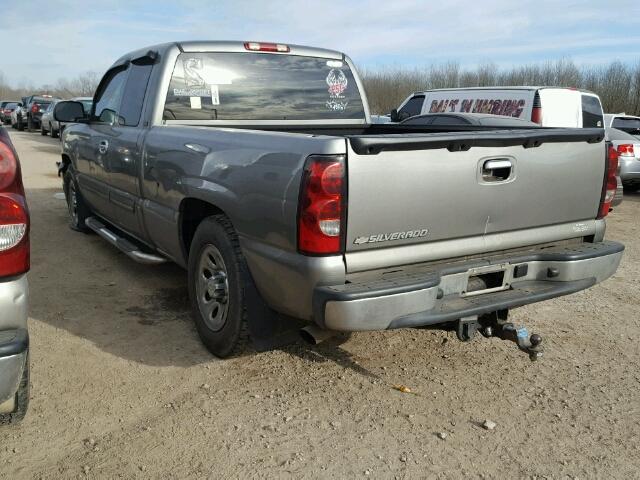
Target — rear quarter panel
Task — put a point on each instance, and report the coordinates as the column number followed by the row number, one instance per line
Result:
column 252, row 176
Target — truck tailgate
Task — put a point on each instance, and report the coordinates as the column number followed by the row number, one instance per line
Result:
column 426, row 192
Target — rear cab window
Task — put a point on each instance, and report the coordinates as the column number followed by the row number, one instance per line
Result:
column 629, row 125
column 592, row 115
column 259, row 86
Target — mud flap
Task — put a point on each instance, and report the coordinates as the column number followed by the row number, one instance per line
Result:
column 267, row 328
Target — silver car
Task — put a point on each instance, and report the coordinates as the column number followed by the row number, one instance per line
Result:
column 48, row 124
column 628, row 148
column 14, row 264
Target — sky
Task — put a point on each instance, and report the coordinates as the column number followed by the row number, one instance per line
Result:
column 46, row 41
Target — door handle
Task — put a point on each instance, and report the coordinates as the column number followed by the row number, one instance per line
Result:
column 497, row 170
column 103, row 146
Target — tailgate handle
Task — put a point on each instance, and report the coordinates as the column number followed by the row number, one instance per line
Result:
column 497, row 170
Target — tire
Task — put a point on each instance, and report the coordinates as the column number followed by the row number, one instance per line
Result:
column 54, row 133
column 217, row 265
column 20, row 125
column 29, row 124
column 22, row 400
column 43, row 132
column 79, row 211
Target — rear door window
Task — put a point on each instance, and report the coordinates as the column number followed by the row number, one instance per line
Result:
column 592, row 116
column 412, row 108
column 261, row 86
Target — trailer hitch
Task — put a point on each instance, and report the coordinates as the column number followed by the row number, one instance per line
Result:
column 496, row 325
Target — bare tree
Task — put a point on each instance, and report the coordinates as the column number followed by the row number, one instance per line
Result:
column 617, row 84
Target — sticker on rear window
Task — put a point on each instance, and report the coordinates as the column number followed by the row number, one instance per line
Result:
column 337, row 82
column 192, row 69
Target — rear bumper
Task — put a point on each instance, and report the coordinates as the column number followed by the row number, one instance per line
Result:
column 438, row 295
column 14, row 346
column 629, row 170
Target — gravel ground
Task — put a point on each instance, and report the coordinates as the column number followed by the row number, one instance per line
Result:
column 121, row 386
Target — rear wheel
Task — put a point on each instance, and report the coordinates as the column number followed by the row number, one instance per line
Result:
column 30, row 127
column 22, row 400
column 43, row 132
column 20, row 125
column 54, row 133
column 217, row 277
column 79, row 211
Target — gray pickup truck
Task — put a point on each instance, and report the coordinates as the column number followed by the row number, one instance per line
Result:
column 255, row 166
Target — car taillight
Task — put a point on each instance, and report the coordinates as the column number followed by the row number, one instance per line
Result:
column 14, row 217
column 266, row 47
column 610, row 183
column 321, row 208
column 626, row 150
column 536, row 115
column 35, row 108
column 8, row 169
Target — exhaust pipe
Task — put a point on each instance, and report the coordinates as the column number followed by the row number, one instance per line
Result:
column 314, row 335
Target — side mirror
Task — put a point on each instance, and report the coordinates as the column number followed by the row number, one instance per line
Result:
column 69, row 112
column 394, row 115
column 403, row 116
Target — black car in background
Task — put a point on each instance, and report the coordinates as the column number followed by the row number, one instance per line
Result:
column 34, row 107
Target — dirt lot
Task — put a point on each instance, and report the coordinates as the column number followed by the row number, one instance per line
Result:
column 121, row 386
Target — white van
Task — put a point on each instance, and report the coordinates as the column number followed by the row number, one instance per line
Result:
column 547, row 106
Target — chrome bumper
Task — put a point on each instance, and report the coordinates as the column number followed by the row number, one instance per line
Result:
column 439, row 295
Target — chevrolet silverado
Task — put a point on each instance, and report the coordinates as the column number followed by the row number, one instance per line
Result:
column 256, row 167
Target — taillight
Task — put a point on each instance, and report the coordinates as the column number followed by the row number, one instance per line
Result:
column 35, row 108
column 610, row 183
column 626, row 150
column 266, row 47
column 14, row 217
column 321, row 208
column 8, row 168
column 536, row 115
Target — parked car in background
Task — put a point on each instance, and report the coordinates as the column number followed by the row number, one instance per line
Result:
column 14, row 264
column 546, row 106
column 628, row 148
column 48, row 124
column 35, row 106
column 87, row 103
column 479, row 119
column 627, row 123
column 6, row 111
column 294, row 202
column 19, row 115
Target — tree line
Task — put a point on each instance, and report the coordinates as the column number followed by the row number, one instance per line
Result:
column 617, row 83
column 83, row 85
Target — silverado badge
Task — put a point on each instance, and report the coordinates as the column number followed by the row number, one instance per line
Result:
column 386, row 237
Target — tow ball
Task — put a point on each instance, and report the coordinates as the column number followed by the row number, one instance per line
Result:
column 496, row 325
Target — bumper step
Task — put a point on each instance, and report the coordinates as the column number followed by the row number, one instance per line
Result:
column 454, row 307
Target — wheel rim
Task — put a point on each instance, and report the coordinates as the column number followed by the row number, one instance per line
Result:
column 212, row 287
column 73, row 203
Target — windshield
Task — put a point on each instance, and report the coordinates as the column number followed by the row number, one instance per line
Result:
column 258, row 86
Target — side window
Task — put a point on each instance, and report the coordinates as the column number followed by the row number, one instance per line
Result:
column 412, row 108
column 591, row 112
column 134, row 91
column 110, row 96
